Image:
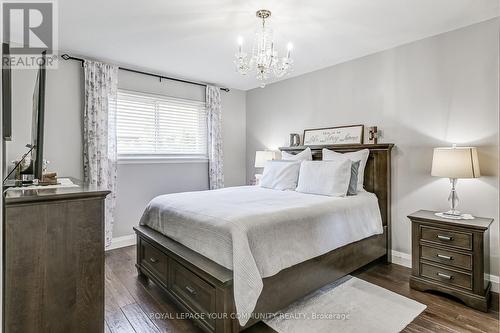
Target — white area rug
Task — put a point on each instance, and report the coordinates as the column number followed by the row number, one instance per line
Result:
column 348, row 305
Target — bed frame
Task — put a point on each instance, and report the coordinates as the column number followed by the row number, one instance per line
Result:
column 204, row 289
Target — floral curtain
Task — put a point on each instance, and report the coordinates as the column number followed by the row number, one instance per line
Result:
column 215, row 157
column 99, row 134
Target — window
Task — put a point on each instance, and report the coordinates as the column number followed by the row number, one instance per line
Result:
column 153, row 126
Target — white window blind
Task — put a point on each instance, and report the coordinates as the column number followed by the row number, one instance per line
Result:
column 152, row 126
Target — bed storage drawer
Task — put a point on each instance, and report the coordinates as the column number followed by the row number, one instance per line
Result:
column 197, row 294
column 153, row 259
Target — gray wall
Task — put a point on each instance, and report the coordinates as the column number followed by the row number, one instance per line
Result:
column 429, row 93
column 137, row 183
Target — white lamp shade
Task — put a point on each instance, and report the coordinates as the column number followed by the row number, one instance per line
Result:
column 455, row 162
column 261, row 156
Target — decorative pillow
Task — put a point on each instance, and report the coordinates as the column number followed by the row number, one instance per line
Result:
column 325, row 177
column 305, row 155
column 360, row 155
column 353, row 183
column 280, row 175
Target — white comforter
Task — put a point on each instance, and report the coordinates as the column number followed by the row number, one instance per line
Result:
column 257, row 232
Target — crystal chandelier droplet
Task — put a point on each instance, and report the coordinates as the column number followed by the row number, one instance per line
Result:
column 264, row 59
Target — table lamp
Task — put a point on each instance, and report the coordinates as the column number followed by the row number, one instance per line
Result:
column 261, row 157
column 454, row 163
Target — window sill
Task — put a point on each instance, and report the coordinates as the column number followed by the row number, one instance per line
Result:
column 160, row 160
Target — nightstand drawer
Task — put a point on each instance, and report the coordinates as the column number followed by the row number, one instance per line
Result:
column 453, row 238
column 446, row 276
column 447, row 257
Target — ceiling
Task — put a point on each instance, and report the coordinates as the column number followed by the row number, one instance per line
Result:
column 196, row 39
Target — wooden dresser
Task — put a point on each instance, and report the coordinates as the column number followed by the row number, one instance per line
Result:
column 53, row 249
column 451, row 256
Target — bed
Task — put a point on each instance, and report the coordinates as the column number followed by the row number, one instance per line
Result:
column 241, row 253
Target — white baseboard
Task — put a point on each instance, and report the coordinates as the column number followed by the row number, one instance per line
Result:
column 404, row 259
column 495, row 282
column 122, row 241
column 401, row 258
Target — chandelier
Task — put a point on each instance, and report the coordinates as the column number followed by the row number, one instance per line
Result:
column 264, row 58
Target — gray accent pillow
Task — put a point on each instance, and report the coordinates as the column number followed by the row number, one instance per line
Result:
column 305, row 155
column 353, row 183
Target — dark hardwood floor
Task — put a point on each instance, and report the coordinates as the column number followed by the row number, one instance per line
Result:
column 133, row 305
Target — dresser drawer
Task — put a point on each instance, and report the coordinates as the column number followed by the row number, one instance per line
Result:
column 190, row 289
column 153, row 259
column 453, row 238
column 446, row 276
column 447, row 257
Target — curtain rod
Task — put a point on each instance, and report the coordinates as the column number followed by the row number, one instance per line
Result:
column 68, row 57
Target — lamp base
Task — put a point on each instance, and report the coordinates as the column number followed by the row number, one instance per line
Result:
column 452, row 212
column 455, row 215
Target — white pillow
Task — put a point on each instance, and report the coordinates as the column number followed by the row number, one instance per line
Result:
column 305, row 155
column 360, row 155
column 325, row 177
column 280, row 175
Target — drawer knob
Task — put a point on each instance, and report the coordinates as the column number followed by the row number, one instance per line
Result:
column 442, row 256
column 445, row 238
column 191, row 290
column 445, row 276
column 153, row 260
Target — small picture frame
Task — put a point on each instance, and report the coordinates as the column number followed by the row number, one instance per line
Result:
column 340, row 135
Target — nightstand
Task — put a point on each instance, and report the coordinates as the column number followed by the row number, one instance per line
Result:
column 451, row 256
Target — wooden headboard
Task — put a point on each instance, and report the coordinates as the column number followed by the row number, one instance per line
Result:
column 377, row 170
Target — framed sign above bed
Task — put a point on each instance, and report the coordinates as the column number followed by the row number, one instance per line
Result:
column 341, row 135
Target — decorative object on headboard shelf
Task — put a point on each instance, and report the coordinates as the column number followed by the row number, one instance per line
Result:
column 373, row 134
column 294, row 139
column 340, row 135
